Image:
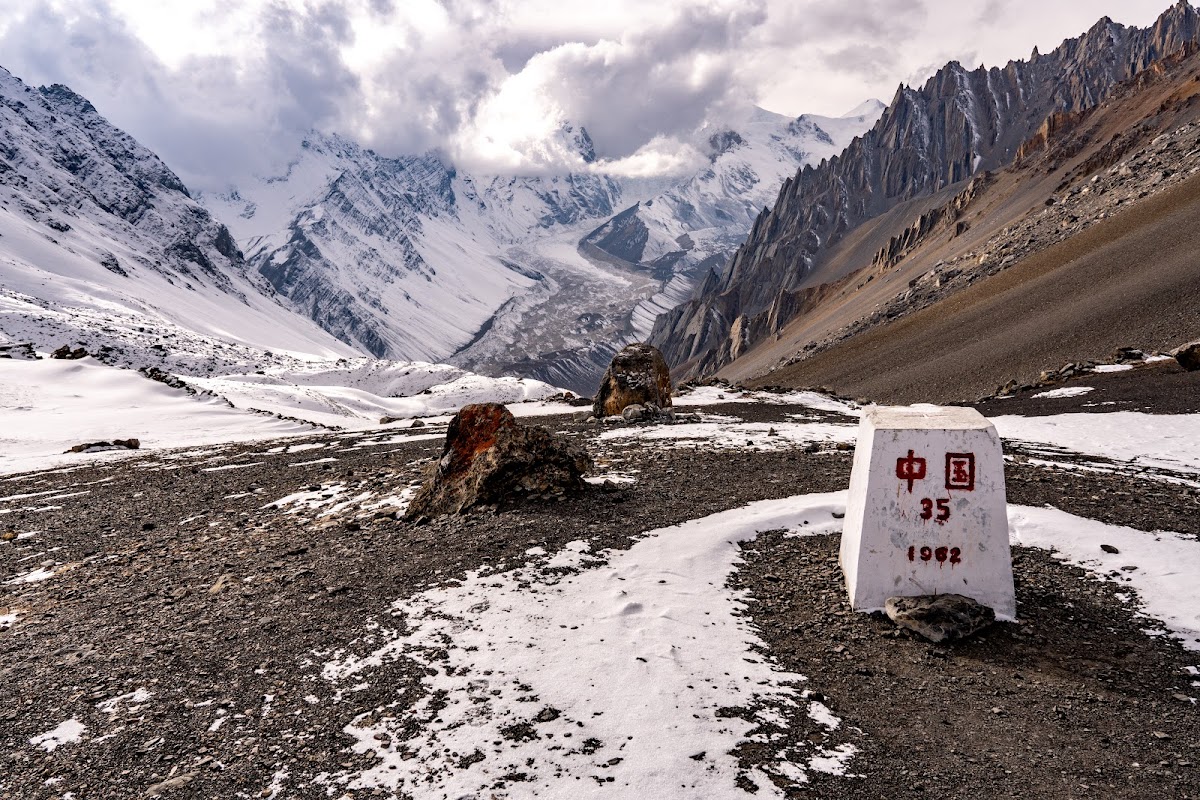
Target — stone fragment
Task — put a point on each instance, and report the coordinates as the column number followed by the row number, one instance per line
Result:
column 178, row 782
column 940, row 618
column 637, row 375
column 489, row 457
column 115, row 444
column 66, row 352
column 1188, row 356
column 635, row 413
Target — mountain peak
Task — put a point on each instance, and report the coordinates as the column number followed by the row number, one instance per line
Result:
column 63, row 95
column 867, row 108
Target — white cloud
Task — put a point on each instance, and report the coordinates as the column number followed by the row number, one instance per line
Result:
column 223, row 88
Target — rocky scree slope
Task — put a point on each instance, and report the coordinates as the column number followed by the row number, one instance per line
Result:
column 958, row 123
column 1077, row 249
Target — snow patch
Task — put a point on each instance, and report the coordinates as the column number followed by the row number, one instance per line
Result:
column 1066, row 391
column 1167, row 563
column 613, row 675
column 67, row 732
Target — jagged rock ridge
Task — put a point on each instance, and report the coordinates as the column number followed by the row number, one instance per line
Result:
column 958, row 123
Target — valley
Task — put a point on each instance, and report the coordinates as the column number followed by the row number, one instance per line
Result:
column 511, row 407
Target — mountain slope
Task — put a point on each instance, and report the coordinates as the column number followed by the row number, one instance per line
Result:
column 411, row 258
column 1084, row 245
column 928, row 142
column 101, row 245
column 700, row 221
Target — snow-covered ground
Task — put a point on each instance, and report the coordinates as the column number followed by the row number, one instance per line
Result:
column 358, row 393
column 1139, row 440
column 48, row 406
column 611, row 666
column 619, row 670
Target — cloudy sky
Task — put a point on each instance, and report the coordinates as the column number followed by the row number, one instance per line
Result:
column 222, row 89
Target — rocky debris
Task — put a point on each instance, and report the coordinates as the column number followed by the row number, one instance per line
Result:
column 66, row 352
column 940, row 618
column 115, row 444
column 646, row 413
column 570, row 398
column 388, row 420
column 1128, row 355
column 20, row 351
column 638, row 375
column 174, row 381
column 490, row 458
column 1188, row 356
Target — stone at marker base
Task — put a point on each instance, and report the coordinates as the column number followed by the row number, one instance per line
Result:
column 941, row 618
column 927, row 513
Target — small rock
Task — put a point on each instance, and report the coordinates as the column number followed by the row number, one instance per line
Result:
column 220, row 584
column 66, row 352
column 634, row 413
column 417, row 423
column 940, row 618
column 178, row 782
column 1108, row 548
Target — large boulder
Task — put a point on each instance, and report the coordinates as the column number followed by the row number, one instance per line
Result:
column 489, row 457
column 638, row 375
column 1188, row 356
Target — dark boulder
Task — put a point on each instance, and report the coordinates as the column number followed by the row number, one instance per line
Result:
column 1188, row 356
column 638, row 375
column 98, row 447
column 66, row 352
column 940, row 618
column 489, row 457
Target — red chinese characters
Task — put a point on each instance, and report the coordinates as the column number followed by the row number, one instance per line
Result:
column 960, row 471
column 910, row 469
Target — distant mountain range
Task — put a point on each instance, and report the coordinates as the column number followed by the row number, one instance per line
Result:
column 930, row 140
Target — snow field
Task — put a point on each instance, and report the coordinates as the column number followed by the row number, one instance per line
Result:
column 618, row 670
column 1160, row 441
column 49, row 406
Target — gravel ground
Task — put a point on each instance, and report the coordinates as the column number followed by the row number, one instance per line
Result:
column 174, row 574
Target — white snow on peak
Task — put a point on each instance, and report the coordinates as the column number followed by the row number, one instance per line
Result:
column 870, row 109
column 100, row 244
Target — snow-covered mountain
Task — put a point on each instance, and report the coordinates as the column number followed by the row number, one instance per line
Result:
column 411, row 258
column 401, row 257
column 101, row 245
column 698, row 223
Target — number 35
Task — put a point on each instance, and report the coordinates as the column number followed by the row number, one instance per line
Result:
column 943, row 509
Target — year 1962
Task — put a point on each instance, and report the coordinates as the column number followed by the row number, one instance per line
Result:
column 938, row 554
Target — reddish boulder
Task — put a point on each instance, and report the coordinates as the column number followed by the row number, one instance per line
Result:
column 489, row 457
column 638, row 375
